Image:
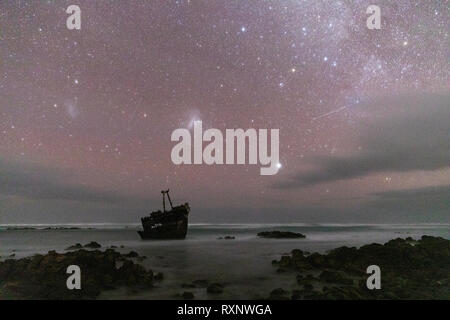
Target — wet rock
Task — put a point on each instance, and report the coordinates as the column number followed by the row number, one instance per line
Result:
column 280, row 235
column 279, row 294
column 75, row 247
column 297, row 295
column 335, row 277
column 196, row 284
column 141, row 258
column 187, row 295
column 308, row 286
column 44, row 276
column 412, row 269
column 158, row 276
column 215, row 288
column 200, row 283
column 131, row 254
column 93, row 245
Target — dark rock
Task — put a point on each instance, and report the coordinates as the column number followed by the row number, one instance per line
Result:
column 279, row 294
column 201, row 283
column 335, row 277
column 158, row 276
column 93, row 245
column 131, row 254
column 75, row 247
column 187, row 295
column 141, row 258
column 280, row 235
column 226, row 238
column 44, row 276
column 297, row 295
column 196, row 284
column 412, row 269
column 308, row 286
column 215, row 288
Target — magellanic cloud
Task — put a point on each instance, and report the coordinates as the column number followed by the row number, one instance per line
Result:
column 410, row 133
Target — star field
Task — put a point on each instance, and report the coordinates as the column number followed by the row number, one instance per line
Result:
column 98, row 105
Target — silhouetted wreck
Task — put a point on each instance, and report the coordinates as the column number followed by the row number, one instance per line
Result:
column 171, row 224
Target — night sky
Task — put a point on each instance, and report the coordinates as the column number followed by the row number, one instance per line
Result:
column 86, row 115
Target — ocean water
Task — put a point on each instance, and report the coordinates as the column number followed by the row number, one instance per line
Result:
column 242, row 264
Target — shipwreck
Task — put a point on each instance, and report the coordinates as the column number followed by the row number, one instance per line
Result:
column 172, row 224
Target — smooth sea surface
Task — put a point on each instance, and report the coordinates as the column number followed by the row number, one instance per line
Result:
column 243, row 264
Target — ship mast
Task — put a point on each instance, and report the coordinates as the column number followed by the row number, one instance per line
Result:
column 164, row 199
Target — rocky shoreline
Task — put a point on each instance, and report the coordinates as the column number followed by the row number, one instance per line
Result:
column 45, row 276
column 410, row 269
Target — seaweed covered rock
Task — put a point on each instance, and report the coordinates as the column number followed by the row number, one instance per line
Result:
column 410, row 270
column 44, row 276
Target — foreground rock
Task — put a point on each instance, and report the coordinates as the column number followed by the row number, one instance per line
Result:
column 44, row 276
column 93, row 245
column 280, row 235
column 90, row 245
column 215, row 288
column 409, row 270
column 226, row 238
column 187, row 295
column 196, row 284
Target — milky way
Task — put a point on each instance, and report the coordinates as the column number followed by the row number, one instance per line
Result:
column 86, row 115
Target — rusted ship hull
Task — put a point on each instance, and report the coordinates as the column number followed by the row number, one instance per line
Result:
column 171, row 224
column 176, row 230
